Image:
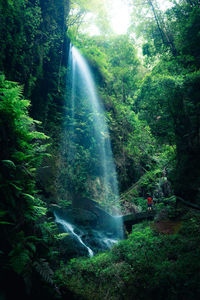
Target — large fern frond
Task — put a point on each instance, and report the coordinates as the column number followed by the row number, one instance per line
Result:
column 43, row 268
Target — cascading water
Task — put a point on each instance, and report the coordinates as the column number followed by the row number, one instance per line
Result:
column 69, row 228
column 91, row 169
column 89, row 130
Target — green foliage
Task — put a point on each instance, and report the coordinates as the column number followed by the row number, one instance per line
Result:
column 43, row 268
column 169, row 104
column 33, row 47
column 142, row 267
column 61, row 236
column 25, row 228
column 155, row 105
column 21, row 153
column 20, row 23
column 22, row 253
column 84, row 15
column 140, row 202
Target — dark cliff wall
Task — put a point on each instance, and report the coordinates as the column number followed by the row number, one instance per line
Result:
column 34, row 52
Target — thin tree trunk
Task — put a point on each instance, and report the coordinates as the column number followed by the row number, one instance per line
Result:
column 163, row 32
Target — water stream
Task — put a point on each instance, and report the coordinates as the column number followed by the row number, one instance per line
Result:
column 69, row 228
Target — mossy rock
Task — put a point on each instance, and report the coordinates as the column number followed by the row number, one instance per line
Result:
column 84, row 217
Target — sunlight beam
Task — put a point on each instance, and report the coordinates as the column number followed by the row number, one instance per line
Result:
column 120, row 17
column 119, row 13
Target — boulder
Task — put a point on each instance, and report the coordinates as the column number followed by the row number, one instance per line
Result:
column 77, row 216
column 84, row 217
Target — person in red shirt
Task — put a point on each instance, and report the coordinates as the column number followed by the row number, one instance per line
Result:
column 149, row 203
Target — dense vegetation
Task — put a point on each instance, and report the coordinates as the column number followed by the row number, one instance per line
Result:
column 152, row 102
column 148, row 265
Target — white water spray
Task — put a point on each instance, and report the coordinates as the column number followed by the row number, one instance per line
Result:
column 70, row 229
column 84, row 97
column 89, row 136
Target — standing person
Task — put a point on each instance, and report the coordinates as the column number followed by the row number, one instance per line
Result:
column 149, row 203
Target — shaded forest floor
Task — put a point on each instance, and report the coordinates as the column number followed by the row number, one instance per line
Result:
column 156, row 257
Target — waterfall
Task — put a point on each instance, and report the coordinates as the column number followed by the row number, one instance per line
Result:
column 89, row 129
column 91, row 172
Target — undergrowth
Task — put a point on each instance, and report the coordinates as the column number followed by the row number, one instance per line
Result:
column 148, row 265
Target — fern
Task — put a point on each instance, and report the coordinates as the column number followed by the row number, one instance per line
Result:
column 3, row 213
column 23, row 251
column 9, row 164
column 22, row 149
column 28, row 197
column 61, row 236
column 31, row 246
column 19, row 258
column 43, row 268
column 17, row 188
column 36, row 212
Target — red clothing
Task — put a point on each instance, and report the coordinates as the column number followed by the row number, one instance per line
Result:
column 149, row 200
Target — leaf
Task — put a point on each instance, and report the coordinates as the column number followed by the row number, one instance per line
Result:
column 61, row 236
column 43, row 268
column 19, row 258
column 28, row 197
column 39, row 210
column 3, row 213
column 9, row 164
column 15, row 186
column 6, row 223
column 31, row 246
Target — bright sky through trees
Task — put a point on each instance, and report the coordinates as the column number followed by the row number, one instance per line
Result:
column 120, row 14
column 120, row 17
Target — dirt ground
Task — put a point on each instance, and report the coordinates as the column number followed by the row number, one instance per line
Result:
column 167, row 226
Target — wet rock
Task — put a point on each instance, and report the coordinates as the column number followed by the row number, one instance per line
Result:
column 84, row 217
column 77, row 216
column 70, row 247
column 96, row 231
